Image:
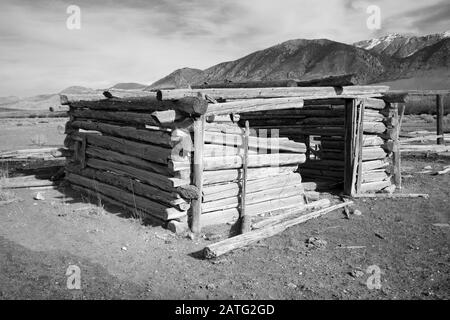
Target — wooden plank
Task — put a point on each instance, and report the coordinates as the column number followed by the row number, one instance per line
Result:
column 196, row 205
column 440, row 118
column 221, row 176
column 253, row 93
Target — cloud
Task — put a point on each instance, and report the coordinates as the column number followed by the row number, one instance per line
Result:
column 142, row 41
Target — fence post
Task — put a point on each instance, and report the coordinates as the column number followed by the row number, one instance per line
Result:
column 440, row 118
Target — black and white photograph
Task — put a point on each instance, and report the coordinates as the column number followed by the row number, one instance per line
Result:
column 224, row 155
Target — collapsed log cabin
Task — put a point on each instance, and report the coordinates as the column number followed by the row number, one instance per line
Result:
column 185, row 156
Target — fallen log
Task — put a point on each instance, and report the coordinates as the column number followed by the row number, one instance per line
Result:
column 25, row 182
column 319, row 204
column 392, row 195
column 219, row 248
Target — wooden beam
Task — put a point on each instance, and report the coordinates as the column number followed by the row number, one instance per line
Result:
column 196, row 205
column 255, row 93
column 253, row 105
column 396, row 156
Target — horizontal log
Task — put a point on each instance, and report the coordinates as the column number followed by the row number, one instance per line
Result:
column 223, row 216
column 261, row 143
column 151, row 136
column 38, row 153
column 151, row 178
column 254, row 161
column 219, row 176
column 374, row 164
column 319, row 204
column 148, row 152
column 320, row 121
column 321, row 172
column 131, row 199
column 170, row 199
column 374, row 186
column 374, row 127
column 252, row 198
column 253, row 105
column 253, row 93
column 372, row 140
column 377, row 104
column 221, row 191
column 24, row 182
column 33, row 114
column 117, row 157
column 373, row 176
column 194, row 106
column 215, row 150
column 373, row 153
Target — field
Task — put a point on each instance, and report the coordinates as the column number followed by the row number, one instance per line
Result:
column 326, row 258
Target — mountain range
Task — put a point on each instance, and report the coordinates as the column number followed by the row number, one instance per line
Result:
column 401, row 61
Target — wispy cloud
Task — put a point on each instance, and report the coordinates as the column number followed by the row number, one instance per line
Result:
column 142, row 41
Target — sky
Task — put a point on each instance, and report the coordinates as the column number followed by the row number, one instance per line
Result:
column 143, row 41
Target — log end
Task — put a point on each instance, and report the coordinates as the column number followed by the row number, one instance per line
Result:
column 208, row 253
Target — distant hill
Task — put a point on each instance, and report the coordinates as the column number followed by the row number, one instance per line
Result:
column 129, row 86
column 180, row 78
column 389, row 58
column 77, row 90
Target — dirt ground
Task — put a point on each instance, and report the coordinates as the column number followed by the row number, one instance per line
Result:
column 408, row 239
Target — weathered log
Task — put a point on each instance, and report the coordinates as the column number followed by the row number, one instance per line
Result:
column 321, row 172
column 260, row 160
column 152, row 207
column 255, row 197
column 33, row 114
column 25, row 182
column 253, row 93
column 223, row 216
column 375, row 186
column 117, row 157
column 372, row 140
column 151, row 136
column 219, row 248
column 373, row 153
column 373, row 176
column 232, row 189
column 393, row 195
column 374, row 164
column 281, row 144
column 148, row 152
column 374, row 127
column 220, row 176
column 377, row 104
column 253, row 105
column 151, row 178
column 199, row 141
column 194, row 106
column 319, row 204
column 170, row 199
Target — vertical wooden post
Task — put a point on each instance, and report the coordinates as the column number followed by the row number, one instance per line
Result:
column 396, row 148
column 401, row 113
column 360, row 144
column 349, row 140
column 196, row 205
column 245, row 220
column 440, row 118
